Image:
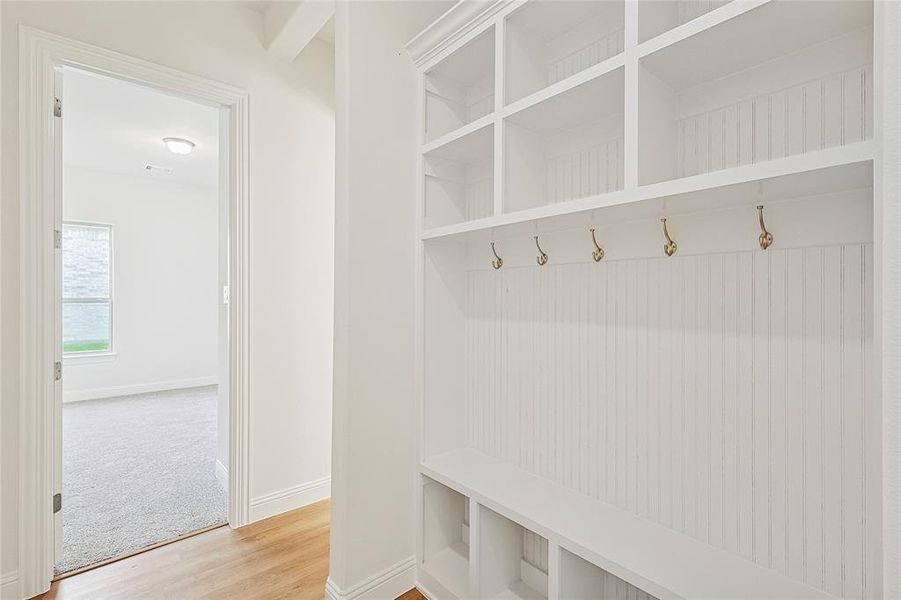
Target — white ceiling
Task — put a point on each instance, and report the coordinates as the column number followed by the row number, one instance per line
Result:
column 116, row 126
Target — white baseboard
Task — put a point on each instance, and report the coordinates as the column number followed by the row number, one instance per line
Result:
column 387, row 584
column 140, row 388
column 276, row 503
column 9, row 586
column 222, row 475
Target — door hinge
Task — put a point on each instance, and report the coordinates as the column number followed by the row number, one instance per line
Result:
column 57, row 107
column 57, row 238
column 57, row 371
column 57, row 503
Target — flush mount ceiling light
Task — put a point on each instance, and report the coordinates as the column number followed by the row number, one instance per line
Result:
column 178, row 145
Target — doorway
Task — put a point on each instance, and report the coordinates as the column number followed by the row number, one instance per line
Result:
column 144, row 320
column 42, row 56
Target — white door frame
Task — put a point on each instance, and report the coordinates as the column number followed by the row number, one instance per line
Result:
column 40, row 56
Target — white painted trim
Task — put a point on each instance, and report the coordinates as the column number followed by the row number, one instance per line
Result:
column 290, row 498
column 388, row 583
column 447, row 30
column 40, row 54
column 89, row 358
column 138, row 388
column 9, row 586
column 887, row 245
column 222, row 474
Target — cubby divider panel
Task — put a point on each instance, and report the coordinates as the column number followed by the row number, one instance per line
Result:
column 460, row 89
column 548, row 41
column 445, row 528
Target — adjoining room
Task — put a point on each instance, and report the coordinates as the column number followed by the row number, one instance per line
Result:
column 144, row 306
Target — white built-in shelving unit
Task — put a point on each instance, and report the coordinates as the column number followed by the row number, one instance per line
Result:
column 704, row 424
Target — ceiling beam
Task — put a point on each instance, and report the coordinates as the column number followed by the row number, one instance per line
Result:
column 290, row 26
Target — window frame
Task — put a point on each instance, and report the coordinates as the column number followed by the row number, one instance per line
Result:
column 97, row 300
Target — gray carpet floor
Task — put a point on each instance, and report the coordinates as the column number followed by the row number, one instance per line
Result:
column 137, row 470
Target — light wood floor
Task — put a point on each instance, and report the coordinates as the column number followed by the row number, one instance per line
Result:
column 282, row 557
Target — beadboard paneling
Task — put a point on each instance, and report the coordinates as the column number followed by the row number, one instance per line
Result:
column 587, row 171
column 587, row 56
column 479, row 197
column 723, row 396
column 534, row 549
column 613, row 588
column 692, row 9
column 832, row 111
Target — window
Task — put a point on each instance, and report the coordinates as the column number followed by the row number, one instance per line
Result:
column 87, row 288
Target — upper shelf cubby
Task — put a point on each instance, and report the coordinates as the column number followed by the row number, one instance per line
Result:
column 567, row 147
column 460, row 89
column 459, row 179
column 548, row 41
column 658, row 16
column 797, row 78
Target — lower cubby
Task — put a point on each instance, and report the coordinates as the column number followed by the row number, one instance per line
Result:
column 513, row 561
column 445, row 528
column 582, row 580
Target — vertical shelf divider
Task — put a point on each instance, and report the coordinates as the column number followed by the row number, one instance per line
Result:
column 474, row 548
column 630, row 108
column 500, row 174
column 553, row 571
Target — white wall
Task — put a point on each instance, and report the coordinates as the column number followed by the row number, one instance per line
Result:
column 372, row 505
column 292, row 221
column 165, row 283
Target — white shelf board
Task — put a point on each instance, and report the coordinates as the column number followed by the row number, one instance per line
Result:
column 706, row 21
column 753, row 35
column 448, row 139
column 658, row 560
column 599, row 97
column 840, row 168
column 564, row 85
column 450, row 568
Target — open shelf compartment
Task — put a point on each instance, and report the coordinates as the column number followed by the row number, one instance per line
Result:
column 581, row 580
column 512, row 560
column 459, row 179
column 445, row 530
column 659, row 16
column 797, row 79
column 567, row 147
column 548, row 41
column 460, row 89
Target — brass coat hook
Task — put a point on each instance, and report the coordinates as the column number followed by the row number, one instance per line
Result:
column 598, row 253
column 498, row 262
column 766, row 238
column 670, row 246
column 542, row 256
